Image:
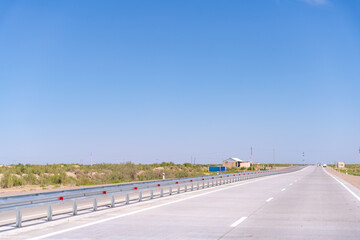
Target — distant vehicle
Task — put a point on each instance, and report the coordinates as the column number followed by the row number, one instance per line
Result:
column 324, row 165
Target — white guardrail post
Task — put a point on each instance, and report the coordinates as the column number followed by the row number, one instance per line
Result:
column 18, row 219
column 74, row 212
column 112, row 201
column 95, row 204
column 127, row 199
column 49, row 213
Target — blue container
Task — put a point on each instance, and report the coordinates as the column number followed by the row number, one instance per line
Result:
column 217, row 169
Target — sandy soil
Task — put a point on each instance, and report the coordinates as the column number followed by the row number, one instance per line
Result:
column 353, row 180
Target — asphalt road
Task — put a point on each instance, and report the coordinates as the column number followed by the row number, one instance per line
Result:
column 308, row 204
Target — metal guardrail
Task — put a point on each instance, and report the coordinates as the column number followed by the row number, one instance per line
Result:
column 171, row 186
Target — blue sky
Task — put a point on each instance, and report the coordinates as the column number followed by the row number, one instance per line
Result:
column 153, row 81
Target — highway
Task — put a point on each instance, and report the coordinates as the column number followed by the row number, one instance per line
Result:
column 307, row 204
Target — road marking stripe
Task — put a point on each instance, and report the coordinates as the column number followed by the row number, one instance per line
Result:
column 238, row 222
column 270, row 199
column 143, row 210
column 283, row 189
column 349, row 190
column 290, row 184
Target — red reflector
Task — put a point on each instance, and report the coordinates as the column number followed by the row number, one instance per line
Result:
column 61, row 198
column 104, row 192
column 234, row 174
column 228, row 176
column 220, row 176
column 136, row 188
column 190, row 180
column 177, row 182
column 212, row 177
column 203, row 179
column 158, row 185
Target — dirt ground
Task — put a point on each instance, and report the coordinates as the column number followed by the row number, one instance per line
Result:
column 353, row 180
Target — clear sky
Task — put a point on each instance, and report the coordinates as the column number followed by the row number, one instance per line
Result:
column 152, row 81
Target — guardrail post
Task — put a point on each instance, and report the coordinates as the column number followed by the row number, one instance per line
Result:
column 170, row 191
column 49, row 213
column 140, row 196
column 112, row 201
column 151, row 194
column 208, row 184
column 127, row 199
column 178, row 191
column 75, row 208
column 192, row 186
column 161, row 192
column 185, row 188
column 95, row 204
column 18, row 219
column 197, row 186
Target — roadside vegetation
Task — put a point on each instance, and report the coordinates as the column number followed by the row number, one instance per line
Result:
column 57, row 175
column 352, row 169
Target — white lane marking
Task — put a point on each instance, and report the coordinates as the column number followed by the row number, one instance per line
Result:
column 283, row 189
column 141, row 210
column 238, row 222
column 349, row 190
column 270, row 199
column 290, row 184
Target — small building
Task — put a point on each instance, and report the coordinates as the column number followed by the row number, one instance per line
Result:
column 236, row 162
column 340, row 164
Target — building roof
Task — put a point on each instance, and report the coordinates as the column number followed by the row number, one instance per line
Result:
column 235, row 160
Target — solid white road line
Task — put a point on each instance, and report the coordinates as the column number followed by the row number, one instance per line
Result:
column 143, row 210
column 238, row 222
column 283, row 189
column 270, row 199
column 349, row 190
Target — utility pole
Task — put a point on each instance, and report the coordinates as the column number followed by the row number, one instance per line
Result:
column 252, row 164
column 273, row 157
column 303, row 158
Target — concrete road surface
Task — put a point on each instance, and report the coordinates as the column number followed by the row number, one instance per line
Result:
column 308, row 204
